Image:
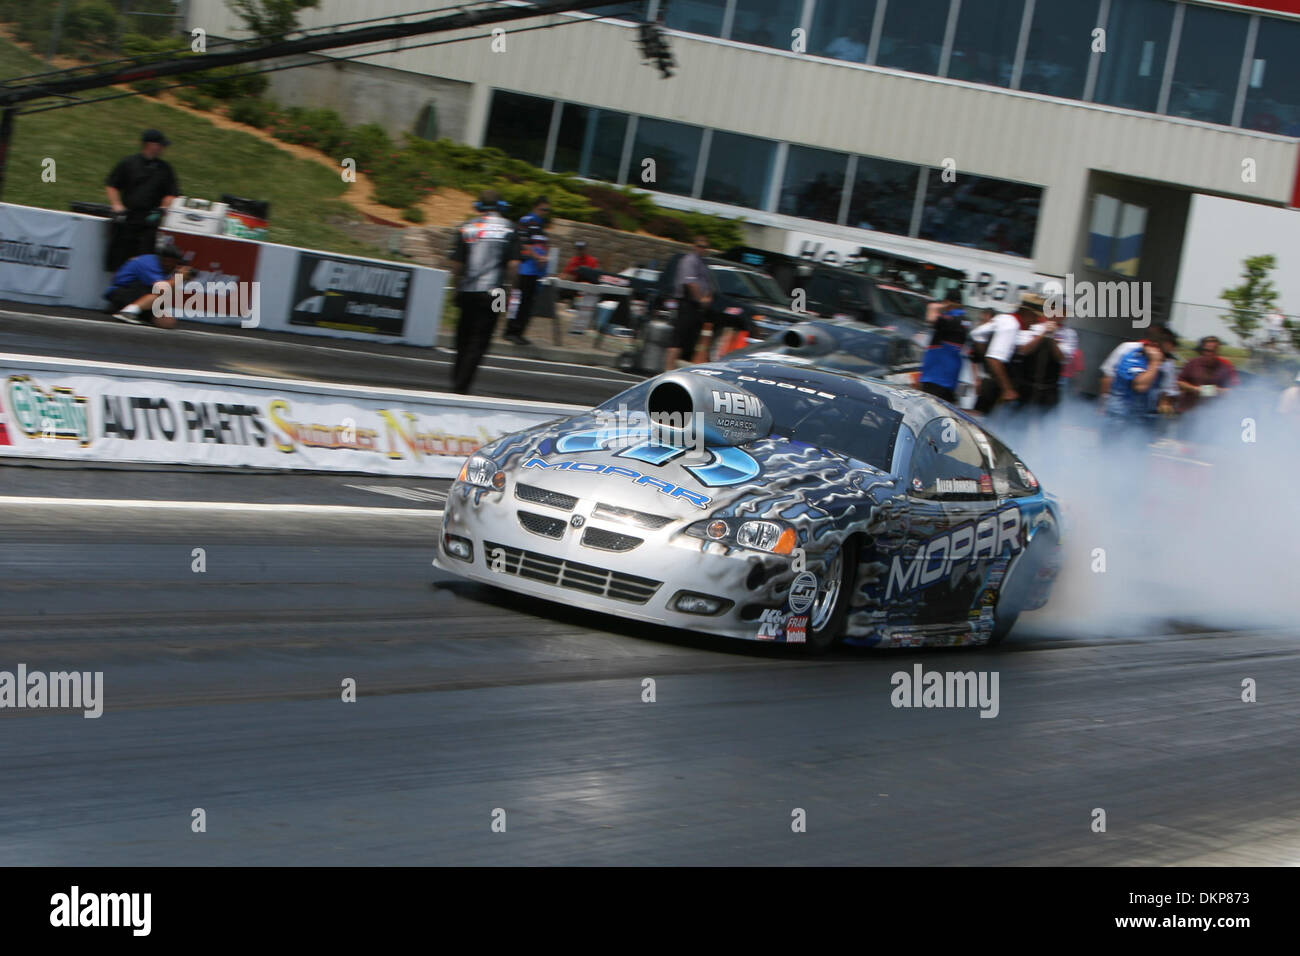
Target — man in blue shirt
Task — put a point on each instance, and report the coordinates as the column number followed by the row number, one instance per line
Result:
column 941, row 365
column 134, row 287
column 1134, row 400
column 534, row 253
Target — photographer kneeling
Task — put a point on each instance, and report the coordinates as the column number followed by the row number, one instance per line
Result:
column 136, row 286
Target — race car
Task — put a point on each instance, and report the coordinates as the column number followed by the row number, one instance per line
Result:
column 766, row 502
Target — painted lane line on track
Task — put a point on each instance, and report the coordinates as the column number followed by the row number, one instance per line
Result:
column 411, row 494
column 215, row 506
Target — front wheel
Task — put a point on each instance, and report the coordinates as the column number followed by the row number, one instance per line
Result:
column 830, row 608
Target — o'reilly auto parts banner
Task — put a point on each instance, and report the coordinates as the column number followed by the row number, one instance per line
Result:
column 355, row 295
column 100, row 418
column 35, row 251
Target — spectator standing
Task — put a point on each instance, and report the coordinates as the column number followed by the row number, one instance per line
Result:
column 135, row 286
column 1206, row 376
column 941, row 364
column 993, row 345
column 534, row 254
column 138, row 188
column 485, row 247
column 1159, row 333
column 1045, row 350
column 693, row 287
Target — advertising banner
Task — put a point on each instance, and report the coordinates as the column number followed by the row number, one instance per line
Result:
column 217, row 262
column 353, row 295
column 35, row 251
column 88, row 417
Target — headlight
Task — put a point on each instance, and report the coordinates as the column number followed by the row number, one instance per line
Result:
column 482, row 472
column 774, row 537
column 770, row 536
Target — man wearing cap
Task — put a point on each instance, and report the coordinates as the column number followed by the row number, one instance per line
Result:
column 485, row 247
column 137, row 187
column 994, row 344
column 582, row 259
column 1044, row 350
column 138, row 283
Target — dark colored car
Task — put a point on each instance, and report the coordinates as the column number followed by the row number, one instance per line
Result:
column 832, row 292
column 840, row 345
column 746, row 297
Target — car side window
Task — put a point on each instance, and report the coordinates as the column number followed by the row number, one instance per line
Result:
column 1011, row 479
column 949, row 464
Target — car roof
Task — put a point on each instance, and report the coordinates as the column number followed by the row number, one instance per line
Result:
column 917, row 408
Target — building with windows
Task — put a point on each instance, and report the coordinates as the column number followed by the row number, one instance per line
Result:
column 1021, row 140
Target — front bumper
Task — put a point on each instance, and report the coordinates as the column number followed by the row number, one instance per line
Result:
column 642, row 582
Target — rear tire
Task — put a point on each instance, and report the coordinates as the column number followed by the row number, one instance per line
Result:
column 831, row 606
column 1015, row 596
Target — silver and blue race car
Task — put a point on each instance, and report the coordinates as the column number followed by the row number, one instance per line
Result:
column 768, row 502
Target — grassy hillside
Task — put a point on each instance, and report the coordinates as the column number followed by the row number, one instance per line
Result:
column 85, row 142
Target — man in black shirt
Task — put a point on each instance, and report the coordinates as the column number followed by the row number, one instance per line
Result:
column 137, row 187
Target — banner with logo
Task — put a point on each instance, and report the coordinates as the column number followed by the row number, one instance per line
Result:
column 87, row 417
column 35, row 251
column 353, row 295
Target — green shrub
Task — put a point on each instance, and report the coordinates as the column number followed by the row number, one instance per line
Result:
column 413, row 214
column 368, row 144
column 251, row 112
column 195, row 98
column 91, row 22
column 396, row 193
column 321, row 129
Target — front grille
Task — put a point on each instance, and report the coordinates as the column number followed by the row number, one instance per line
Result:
column 642, row 519
column 570, row 574
column 609, row 540
column 541, row 496
column 542, row 524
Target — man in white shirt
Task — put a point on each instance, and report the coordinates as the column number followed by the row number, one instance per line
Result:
column 995, row 342
column 1045, row 350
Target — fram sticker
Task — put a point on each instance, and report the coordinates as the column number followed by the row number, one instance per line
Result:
column 796, row 630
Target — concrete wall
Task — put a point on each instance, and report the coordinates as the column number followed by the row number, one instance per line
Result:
column 364, row 93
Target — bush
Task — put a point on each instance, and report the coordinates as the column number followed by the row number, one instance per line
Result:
column 251, row 112
column 195, row 98
column 396, row 193
column 321, row 129
column 413, row 214
column 368, row 144
column 91, row 22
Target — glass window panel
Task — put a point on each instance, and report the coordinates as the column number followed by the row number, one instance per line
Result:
column 813, row 184
column 675, row 148
column 590, row 142
column 1060, row 45
column 1128, row 244
column 696, row 16
column 766, row 22
column 883, row 194
column 1133, row 66
column 1210, row 49
column 739, row 170
column 1115, row 235
column 912, row 37
column 842, row 29
column 982, row 213
column 517, row 125
column 984, row 47
column 1273, row 91
column 632, row 10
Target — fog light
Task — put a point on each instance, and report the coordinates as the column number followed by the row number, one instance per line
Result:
column 717, row 529
column 458, row 547
column 499, row 480
column 689, row 602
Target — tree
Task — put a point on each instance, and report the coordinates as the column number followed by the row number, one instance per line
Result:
column 1255, row 297
column 271, row 19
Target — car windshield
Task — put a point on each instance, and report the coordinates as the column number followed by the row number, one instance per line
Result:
column 860, row 425
column 903, row 304
column 859, row 355
column 742, row 284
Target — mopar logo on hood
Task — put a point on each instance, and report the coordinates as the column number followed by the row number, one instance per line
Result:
column 591, row 467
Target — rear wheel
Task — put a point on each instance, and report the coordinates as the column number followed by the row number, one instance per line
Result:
column 1019, row 587
column 830, row 608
